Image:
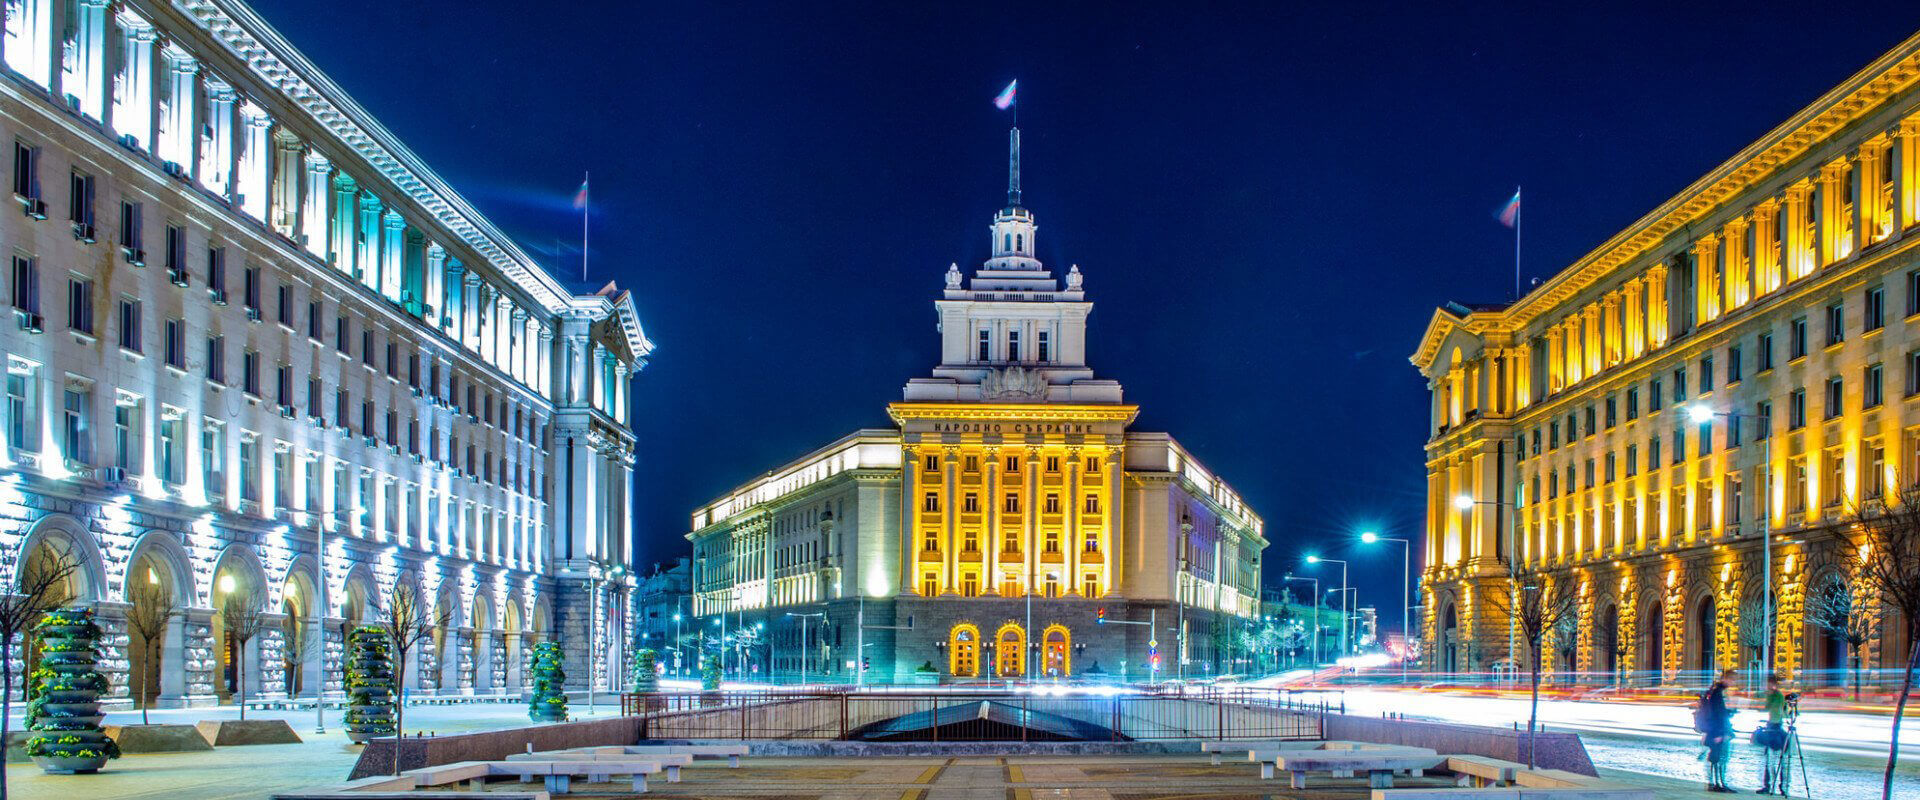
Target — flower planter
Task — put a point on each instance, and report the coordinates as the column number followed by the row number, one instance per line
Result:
column 69, row 765
column 369, row 685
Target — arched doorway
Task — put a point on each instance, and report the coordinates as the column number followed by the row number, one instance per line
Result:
column 298, row 647
column 511, row 628
column 1009, row 651
column 1609, row 642
column 1653, row 627
column 1450, row 639
column 446, row 642
column 963, row 651
column 483, row 641
column 154, row 601
column 237, row 594
column 1058, row 649
column 1706, row 636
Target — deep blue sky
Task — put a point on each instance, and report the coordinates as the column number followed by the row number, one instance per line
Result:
column 1268, row 202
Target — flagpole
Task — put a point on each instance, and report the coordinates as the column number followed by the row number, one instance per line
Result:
column 586, row 209
column 1517, row 211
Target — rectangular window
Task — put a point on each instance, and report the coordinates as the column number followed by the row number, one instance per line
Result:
column 130, row 335
column 1836, row 397
column 985, row 352
column 1679, row 384
column 172, row 462
column 217, row 359
column 341, row 333
column 1553, row 435
column 1053, row 503
column 130, row 230
column 1653, row 453
column 213, row 459
column 1873, row 470
column 126, row 446
column 283, row 305
column 366, row 428
column 217, row 274
column 250, row 372
column 23, row 424
column 1653, row 395
column 26, row 168
column 1633, row 460
column 366, row 347
column 283, row 388
column 1011, row 504
column 76, row 439
column 930, row 501
column 176, row 345
column 80, row 305
column 1733, row 429
column 1591, row 425
column 1733, row 365
column 80, row 206
column 1612, row 405
column 251, row 294
column 26, row 288
column 1763, row 414
column 1633, row 403
column 1679, row 444
column 1913, row 292
column 1836, row 324
column 1046, row 347
column 1706, row 373
column 1832, row 478
column 970, row 503
column 1872, row 390
column 1706, row 439
column 314, row 392
column 1013, row 345
column 250, row 469
column 1797, row 338
column 1796, row 409
column 1873, row 309
column 1764, row 352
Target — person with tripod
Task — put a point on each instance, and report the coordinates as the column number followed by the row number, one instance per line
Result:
column 1714, row 720
column 1773, row 739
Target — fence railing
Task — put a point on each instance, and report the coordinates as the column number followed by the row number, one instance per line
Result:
column 981, row 715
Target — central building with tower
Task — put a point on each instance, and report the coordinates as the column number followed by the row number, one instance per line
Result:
column 985, row 532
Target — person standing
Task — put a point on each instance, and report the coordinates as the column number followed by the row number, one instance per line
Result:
column 1717, row 731
column 1773, row 738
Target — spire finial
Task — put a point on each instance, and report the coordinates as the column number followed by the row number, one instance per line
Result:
column 1013, row 167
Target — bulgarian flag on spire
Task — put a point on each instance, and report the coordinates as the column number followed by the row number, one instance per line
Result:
column 1005, row 100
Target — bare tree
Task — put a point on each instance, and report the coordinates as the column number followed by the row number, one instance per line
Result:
column 298, row 644
column 1833, row 607
column 147, row 619
column 1536, row 610
column 41, row 587
column 1885, row 542
column 240, row 614
column 410, row 621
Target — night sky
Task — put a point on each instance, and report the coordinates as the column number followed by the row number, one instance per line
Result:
column 1268, row 202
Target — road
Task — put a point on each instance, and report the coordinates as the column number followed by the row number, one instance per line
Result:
column 1845, row 752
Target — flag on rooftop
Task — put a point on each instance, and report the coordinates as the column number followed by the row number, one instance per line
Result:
column 1005, row 100
column 580, row 197
column 1509, row 214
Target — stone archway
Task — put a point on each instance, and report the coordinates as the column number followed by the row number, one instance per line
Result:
column 1009, row 651
column 1057, row 651
column 483, row 636
column 300, row 649
column 510, row 628
column 1449, row 644
column 963, row 651
column 158, row 589
column 237, row 578
column 445, row 641
column 1607, row 642
column 1653, row 631
column 1703, row 636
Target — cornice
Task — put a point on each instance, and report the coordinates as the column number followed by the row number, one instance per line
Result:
column 1854, row 99
column 1044, row 412
column 276, row 62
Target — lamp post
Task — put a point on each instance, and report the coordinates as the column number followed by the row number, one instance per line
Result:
column 1343, row 599
column 1350, row 613
column 1313, row 634
column 676, row 641
column 320, row 624
column 1700, row 413
column 1466, row 502
column 1406, row 591
column 805, row 652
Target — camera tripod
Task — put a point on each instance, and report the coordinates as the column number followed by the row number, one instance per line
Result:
column 1780, row 762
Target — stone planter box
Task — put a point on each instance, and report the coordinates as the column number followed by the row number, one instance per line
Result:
column 158, row 738
column 70, row 765
column 233, row 732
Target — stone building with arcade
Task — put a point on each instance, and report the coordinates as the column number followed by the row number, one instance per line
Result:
column 257, row 352
column 1732, row 376
column 985, row 532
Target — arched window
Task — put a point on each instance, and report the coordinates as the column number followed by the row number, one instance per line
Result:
column 1020, row 242
column 1058, row 653
column 1006, row 241
column 1009, row 654
column 963, row 651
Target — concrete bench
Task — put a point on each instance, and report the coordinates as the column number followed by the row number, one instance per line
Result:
column 732, row 752
column 559, row 775
column 1515, row 793
column 1214, row 749
column 336, row 794
column 671, row 761
column 1380, row 765
column 1483, row 771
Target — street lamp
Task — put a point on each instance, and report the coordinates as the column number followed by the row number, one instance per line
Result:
column 1344, row 652
column 1406, row 591
column 1466, row 502
column 1702, row 414
column 1313, row 635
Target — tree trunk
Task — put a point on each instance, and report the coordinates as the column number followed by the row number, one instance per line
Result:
column 399, row 705
column 1533, row 713
column 240, row 679
column 144, row 669
column 1856, row 672
column 6, row 704
column 1899, row 713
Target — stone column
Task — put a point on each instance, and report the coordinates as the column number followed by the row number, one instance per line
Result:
column 545, row 363
column 950, row 513
column 1112, row 548
column 1707, row 288
column 392, row 246
column 366, row 246
column 1905, row 153
column 250, row 184
column 909, row 524
column 177, row 131
column 284, row 210
column 134, row 102
column 216, row 158
column 990, row 577
column 1071, row 572
column 434, row 285
column 314, row 218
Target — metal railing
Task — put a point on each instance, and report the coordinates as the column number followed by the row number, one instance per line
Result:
column 981, row 715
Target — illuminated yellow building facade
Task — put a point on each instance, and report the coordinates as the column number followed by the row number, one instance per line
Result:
column 1008, row 508
column 1781, row 294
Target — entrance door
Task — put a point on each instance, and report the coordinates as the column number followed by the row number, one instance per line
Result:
column 966, row 653
column 1009, row 652
column 1057, row 642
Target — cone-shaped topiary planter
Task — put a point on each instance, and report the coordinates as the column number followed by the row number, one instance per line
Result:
column 369, row 684
column 64, row 712
column 549, row 702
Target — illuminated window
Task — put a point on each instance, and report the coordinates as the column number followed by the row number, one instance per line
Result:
column 970, row 503
column 1832, row 476
column 1052, row 542
column 1873, row 470
column 930, row 501
column 1011, row 504
column 969, row 585
column 1872, row 388
column 1013, row 345
column 1797, row 484
column 1873, row 311
column 1053, row 463
column 1053, row 503
column 1836, row 397
column 1093, row 465
column 930, row 463
column 1013, row 464
column 1090, row 587
column 929, row 584
column 1092, row 506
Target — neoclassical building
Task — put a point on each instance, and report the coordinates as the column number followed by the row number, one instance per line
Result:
column 1779, row 294
column 243, row 320
column 1007, row 506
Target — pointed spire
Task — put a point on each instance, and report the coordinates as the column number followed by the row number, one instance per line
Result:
column 1013, row 168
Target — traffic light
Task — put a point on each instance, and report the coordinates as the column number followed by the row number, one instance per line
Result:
column 1100, row 615
column 864, row 663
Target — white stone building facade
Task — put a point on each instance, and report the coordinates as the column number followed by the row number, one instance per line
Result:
column 243, row 319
